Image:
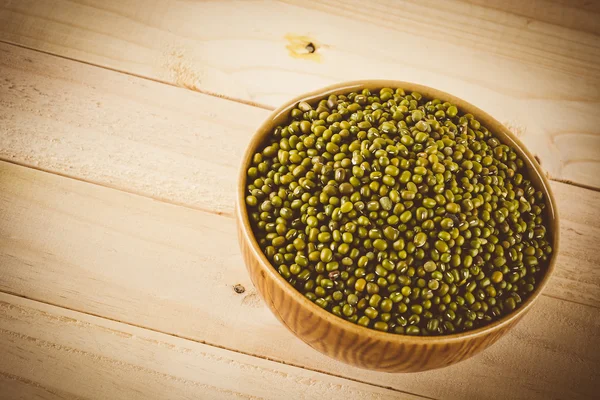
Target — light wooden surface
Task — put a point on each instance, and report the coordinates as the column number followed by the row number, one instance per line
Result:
column 124, row 132
column 120, row 361
column 120, row 283
column 539, row 76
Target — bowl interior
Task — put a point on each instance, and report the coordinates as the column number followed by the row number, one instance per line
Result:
column 534, row 173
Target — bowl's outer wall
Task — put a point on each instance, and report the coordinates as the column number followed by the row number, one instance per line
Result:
column 360, row 349
column 350, row 343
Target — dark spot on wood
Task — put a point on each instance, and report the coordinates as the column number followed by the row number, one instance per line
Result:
column 239, row 289
column 303, row 47
column 537, row 158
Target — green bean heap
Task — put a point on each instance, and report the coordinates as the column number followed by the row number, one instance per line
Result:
column 398, row 213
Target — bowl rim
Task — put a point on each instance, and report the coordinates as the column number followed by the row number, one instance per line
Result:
column 280, row 115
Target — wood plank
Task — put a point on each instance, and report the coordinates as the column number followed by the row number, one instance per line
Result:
column 578, row 15
column 173, row 269
column 55, row 353
column 121, row 131
column 540, row 76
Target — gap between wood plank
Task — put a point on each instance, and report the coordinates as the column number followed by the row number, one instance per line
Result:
column 569, row 182
column 525, row 16
column 212, row 94
column 205, row 92
column 215, row 345
column 568, row 300
column 92, row 182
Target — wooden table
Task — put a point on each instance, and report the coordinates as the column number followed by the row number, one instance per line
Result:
column 122, row 124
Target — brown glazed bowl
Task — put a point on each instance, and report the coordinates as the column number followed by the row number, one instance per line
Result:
column 351, row 343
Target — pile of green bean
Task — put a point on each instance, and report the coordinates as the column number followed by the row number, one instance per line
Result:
column 398, row 213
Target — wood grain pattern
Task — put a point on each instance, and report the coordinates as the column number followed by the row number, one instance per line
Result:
column 577, row 15
column 54, row 353
column 18, row 388
column 157, row 265
column 540, row 75
column 121, row 131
